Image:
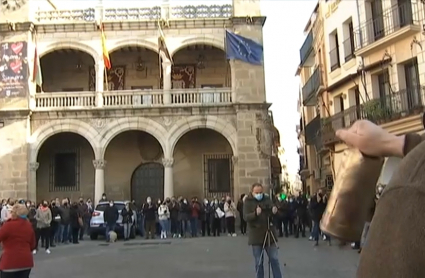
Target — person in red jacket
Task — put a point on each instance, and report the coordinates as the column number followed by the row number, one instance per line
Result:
column 18, row 240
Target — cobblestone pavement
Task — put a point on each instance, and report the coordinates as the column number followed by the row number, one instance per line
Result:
column 198, row 257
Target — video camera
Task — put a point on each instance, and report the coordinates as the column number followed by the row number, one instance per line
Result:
column 267, row 211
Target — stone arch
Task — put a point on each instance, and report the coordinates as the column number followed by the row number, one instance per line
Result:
column 134, row 41
column 73, row 45
column 143, row 124
column 59, row 126
column 202, row 39
column 185, row 125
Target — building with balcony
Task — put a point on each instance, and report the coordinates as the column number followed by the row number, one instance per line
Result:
column 384, row 82
column 191, row 123
column 312, row 72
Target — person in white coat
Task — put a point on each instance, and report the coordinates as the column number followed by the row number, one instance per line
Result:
column 230, row 213
column 164, row 218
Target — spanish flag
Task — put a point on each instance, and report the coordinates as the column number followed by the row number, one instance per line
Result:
column 105, row 51
column 162, row 46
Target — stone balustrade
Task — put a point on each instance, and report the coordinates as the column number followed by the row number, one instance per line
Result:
column 68, row 100
column 139, row 11
column 132, row 98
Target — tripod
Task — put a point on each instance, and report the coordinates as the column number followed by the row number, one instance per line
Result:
column 267, row 243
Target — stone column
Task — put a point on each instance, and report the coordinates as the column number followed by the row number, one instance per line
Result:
column 100, row 80
column 168, row 177
column 99, row 179
column 166, row 81
column 32, row 183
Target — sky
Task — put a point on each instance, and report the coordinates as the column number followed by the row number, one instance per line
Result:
column 282, row 38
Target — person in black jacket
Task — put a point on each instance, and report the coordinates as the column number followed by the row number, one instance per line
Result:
column 74, row 216
column 318, row 206
column 174, row 207
column 54, row 225
column 149, row 211
column 110, row 217
column 302, row 204
column 239, row 207
column 206, row 211
column 282, row 215
column 127, row 220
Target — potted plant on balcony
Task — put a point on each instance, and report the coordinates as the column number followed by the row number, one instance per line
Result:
column 376, row 111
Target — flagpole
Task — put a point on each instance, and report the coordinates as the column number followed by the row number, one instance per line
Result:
column 106, row 79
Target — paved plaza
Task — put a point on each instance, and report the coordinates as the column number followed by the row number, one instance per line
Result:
column 199, row 257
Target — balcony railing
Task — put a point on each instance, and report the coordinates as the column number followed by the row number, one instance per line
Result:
column 139, row 12
column 390, row 21
column 132, row 98
column 392, row 107
column 306, row 49
column 396, row 105
column 312, row 87
column 334, row 58
column 348, row 49
column 312, row 131
column 340, row 120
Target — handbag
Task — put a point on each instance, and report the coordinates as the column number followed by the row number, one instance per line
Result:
column 80, row 221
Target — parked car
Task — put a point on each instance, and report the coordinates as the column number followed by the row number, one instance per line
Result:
column 97, row 224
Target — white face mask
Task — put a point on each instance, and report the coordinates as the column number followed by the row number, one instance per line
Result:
column 185, row 201
column 206, row 201
column 111, row 205
column 149, row 200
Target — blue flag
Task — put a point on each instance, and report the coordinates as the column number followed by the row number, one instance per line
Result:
column 244, row 49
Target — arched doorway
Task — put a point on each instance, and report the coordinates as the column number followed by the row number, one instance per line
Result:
column 65, row 168
column 71, row 74
column 203, row 165
column 127, row 151
column 147, row 181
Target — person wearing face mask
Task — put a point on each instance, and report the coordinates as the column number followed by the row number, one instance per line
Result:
column 239, row 207
column 223, row 219
column 127, row 220
column 217, row 214
column 17, row 239
column 54, row 225
column 318, row 206
column 195, row 210
column 174, row 217
column 64, row 212
column 292, row 213
column 230, row 216
column 84, row 212
column 103, row 199
column 206, row 218
column 44, row 219
column 184, row 218
column 257, row 215
column 110, row 217
column 150, row 212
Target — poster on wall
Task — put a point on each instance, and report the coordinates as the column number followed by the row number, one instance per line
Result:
column 116, row 79
column 183, row 77
column 13, row 69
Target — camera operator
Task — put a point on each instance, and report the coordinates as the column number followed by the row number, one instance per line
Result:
column 258, row 209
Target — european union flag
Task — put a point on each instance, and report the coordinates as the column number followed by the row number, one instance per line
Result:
column 244, row 49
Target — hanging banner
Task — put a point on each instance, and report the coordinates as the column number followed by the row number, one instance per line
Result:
column 13, row 69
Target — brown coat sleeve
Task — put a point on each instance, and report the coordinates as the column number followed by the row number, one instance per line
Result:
column 396, row 239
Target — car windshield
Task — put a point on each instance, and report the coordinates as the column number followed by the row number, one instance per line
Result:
column 102, row 207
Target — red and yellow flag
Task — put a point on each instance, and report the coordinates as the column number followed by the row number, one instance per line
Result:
column 105, row 51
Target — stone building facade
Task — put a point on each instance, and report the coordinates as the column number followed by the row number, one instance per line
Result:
column 195, row 126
